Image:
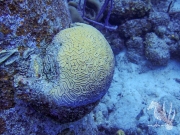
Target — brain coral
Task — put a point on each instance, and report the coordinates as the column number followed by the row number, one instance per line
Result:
column 75, row 73
column 86, row 64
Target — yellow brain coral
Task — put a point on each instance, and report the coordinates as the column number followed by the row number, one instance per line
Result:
column 86, row 65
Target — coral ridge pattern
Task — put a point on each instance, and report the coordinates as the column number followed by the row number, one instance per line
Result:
column 72, row 76
column 86, row 65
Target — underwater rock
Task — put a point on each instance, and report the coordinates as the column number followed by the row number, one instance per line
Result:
column 115, row 41
column 6, row 89
column 135, row 50
column 160, row 31
column 72, row 76
column 156, row 50
column 173, row 36
column 135, row 27
column 25, row 24
column 175, row 50
column 159, row 19
column 30, row 22
column 117, row 45
column 125, row 10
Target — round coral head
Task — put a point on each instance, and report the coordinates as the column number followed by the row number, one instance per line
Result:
column 86, row 64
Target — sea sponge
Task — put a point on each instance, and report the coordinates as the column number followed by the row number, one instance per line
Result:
column 73, row 75
column 75, row 16
column 92, row 9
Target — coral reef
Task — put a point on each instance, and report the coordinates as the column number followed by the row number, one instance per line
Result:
column 38, row 94
column 156, row 50
column 135, row 50
column 160, row 31
column 159, row 18
column 72, row 77
column 28, row 23
column 134, row 27
column 25, row 24
column 93, row 50
column 6, row 89
column 126, row 10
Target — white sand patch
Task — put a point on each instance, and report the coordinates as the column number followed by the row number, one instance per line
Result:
column 132, row 92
